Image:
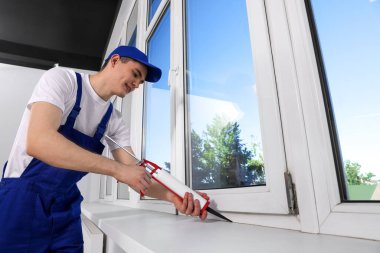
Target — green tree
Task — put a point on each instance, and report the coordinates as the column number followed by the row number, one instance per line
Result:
column 202, row 173
column 256, row 165
column 354, row 177
column 367, row 178
column 352, row 172
column 221, row 159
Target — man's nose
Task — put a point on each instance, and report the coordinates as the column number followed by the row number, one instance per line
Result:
column 136, row 84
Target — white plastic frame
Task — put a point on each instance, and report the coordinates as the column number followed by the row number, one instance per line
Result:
column 360, row 220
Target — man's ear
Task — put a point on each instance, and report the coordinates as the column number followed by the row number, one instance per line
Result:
column 114, row 59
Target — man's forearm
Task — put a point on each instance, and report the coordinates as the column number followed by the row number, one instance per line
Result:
column 54, row 149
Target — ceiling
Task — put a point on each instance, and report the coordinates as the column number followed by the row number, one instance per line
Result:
column 40, row 33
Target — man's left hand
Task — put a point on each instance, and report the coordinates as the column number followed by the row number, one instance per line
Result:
column 189, row 206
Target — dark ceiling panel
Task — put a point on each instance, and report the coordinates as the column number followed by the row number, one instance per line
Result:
column 14, row 53
column 73, row 33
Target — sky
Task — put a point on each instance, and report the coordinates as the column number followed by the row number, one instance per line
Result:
column 349, row 35
column 157, row 146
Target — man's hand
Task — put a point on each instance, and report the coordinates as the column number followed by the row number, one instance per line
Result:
column 140, row 180
column 135, row 176
column 189, row 206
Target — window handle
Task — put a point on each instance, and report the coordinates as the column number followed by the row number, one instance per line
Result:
column 172, row 75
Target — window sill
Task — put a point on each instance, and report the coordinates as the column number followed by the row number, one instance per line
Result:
column 137, row 230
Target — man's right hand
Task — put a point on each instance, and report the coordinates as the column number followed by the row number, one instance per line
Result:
column 135, row 176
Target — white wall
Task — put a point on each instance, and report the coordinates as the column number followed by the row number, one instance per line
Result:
column 16, row 86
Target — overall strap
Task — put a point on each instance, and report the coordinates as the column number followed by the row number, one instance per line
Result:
column 76, row 109
column 5, row 166
column 103, row 124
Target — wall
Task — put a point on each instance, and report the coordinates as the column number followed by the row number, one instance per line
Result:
column 16, row 86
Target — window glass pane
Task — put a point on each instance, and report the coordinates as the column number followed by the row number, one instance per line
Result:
column 157, row 98
column 109, row 185
column 350, row 43
column 223, row 113
column 132, row 27
column 132, row 40
column 153, row 6
column 101, row 190
column 122, row 191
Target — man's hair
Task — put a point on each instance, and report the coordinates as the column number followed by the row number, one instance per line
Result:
column 122, row 59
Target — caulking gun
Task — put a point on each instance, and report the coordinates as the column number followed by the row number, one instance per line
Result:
column 170, row 182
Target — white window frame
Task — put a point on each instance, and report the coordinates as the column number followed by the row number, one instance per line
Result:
column 271, row 202
column 360, row 220
column 305, row 133
column 272, row 197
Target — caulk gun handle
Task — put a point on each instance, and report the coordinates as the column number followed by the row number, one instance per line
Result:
column 141, row 193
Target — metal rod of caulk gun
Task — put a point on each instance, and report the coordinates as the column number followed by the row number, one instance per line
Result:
column 126, row 150
column 139, row 162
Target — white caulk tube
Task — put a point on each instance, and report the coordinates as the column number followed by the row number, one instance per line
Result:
column 167, row 180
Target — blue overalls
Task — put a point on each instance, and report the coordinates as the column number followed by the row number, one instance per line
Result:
column 40, row 211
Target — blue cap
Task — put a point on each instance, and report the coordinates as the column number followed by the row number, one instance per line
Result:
column 154, row 73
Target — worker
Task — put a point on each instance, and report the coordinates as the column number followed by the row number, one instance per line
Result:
column 60, row 140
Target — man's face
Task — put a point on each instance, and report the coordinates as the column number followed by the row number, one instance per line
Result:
column 129, row 75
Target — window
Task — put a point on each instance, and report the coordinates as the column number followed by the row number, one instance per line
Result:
column 132, row 41
column 131, row 31
column 230, row 135
column 330, row 213
column 197, row 85
column 157, row 146
column 242, row 86
column 351, row 56
column 153, row 6
column 223, row 116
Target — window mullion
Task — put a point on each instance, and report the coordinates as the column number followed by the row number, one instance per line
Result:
column 292, row 118
column 176, row 77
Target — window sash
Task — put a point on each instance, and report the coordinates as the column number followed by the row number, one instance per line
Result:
column 333, row 217
column 272, row 197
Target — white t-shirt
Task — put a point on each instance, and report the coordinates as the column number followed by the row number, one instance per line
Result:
column 58, row 86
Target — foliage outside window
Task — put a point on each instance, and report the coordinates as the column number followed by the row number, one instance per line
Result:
column 220, row 159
